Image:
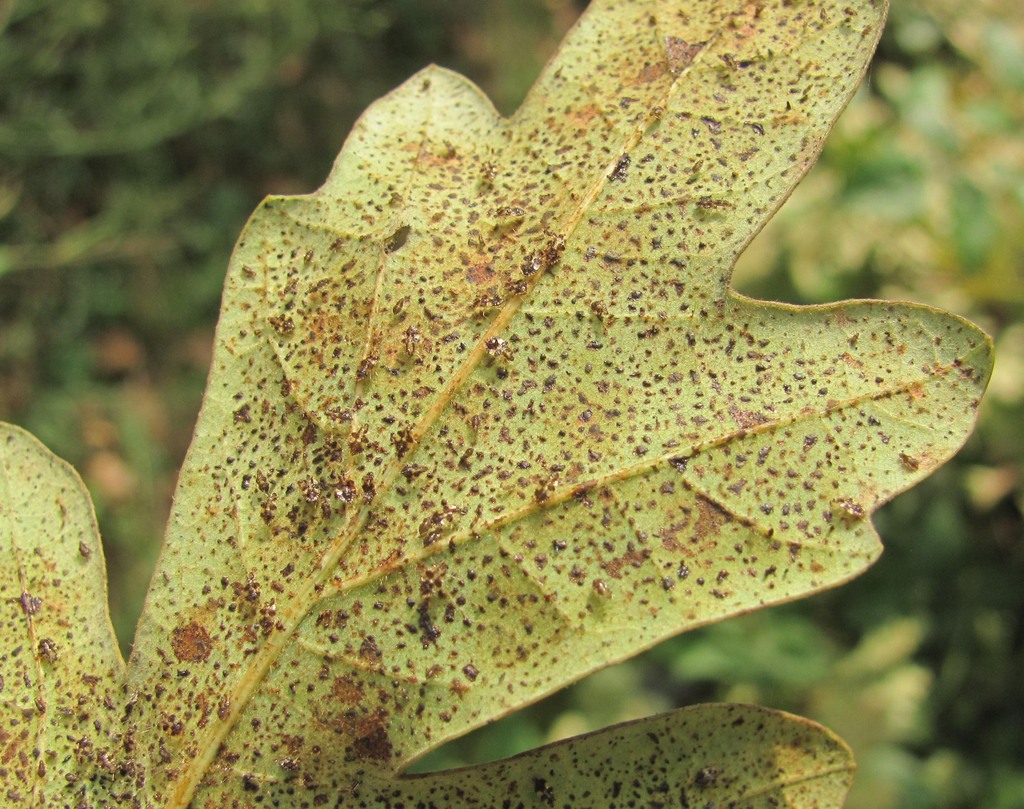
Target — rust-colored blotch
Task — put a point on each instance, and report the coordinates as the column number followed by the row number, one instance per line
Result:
column 191, row 643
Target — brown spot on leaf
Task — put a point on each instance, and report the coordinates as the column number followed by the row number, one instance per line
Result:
column 910, row 463
column 48, row 650
column 747, row 418
column 633, row 557
column 849, row 509
column 398, row 239
column 583, row 116
column 707, row 776
column 366, row 366
column 681, row 53
column 282, row 324
column 191, row 643
column 372, row 740
column 429, row 633
column 347, row 690
column 375, row 745
column 621, row 171
column 370, row 651
column 650, row 73
column 710, row 518
column 480, row 273
column 30, row 604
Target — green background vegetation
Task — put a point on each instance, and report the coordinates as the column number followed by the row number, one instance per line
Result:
column 136, row 138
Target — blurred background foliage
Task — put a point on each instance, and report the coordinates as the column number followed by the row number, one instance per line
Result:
column 136, row 138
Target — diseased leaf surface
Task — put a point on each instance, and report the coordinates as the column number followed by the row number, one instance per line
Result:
column 709, row 755
column 485, row 416
column 60, row 668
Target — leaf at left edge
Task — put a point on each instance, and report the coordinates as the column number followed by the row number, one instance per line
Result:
column 60, row 668
column 707, row 755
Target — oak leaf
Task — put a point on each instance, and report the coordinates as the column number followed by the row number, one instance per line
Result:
column 485, row 416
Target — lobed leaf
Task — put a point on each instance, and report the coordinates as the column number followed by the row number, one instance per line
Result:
column 485, row 416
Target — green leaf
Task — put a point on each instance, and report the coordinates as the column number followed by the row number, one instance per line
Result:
column 485, row 416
